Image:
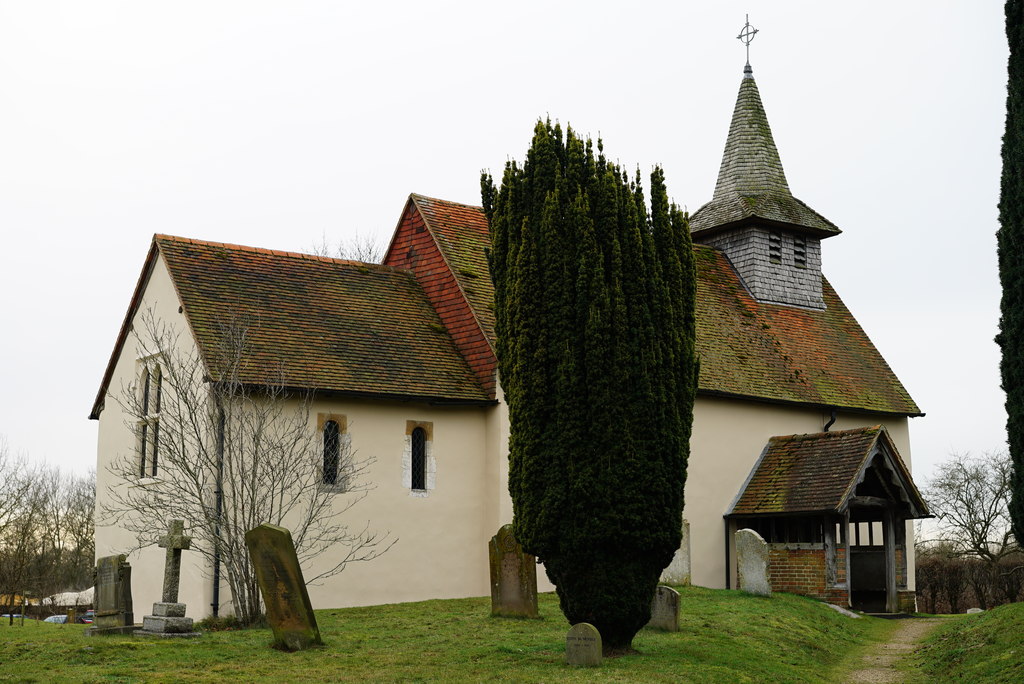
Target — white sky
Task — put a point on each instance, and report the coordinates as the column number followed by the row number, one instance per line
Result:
column 275, row 123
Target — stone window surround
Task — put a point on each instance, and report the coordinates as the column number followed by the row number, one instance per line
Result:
column 430, row 463
column 341, row 482
column 147, row 432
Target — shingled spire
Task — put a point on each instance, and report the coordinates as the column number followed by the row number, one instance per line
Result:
column 771, row 237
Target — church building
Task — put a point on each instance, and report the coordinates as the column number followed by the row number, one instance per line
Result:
column 800, row 427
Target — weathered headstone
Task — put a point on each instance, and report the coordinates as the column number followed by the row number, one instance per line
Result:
column 678, row 571
column 289, row 610
column 583, row 645
column 513, row 577
column 112, row 580
column 168, row 618
column 665, row 609
column 753, row 563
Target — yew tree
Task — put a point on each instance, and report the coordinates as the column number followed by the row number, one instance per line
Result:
column 1011, row 261
column 594, row 305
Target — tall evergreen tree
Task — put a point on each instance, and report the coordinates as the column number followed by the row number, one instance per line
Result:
column 594, row 301
column 1011, row 260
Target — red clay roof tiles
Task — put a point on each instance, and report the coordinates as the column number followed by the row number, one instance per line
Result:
column 429, row 331
column 327, row 324
column 815, row 473
column 785, row 353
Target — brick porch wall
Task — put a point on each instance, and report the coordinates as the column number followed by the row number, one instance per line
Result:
column 797, row 569
column 800, row 569
column 907, row 601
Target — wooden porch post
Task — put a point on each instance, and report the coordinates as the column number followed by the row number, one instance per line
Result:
column 845, row 535
column 892, row 604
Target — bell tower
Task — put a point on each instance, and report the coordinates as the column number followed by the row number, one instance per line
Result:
column 772, row 238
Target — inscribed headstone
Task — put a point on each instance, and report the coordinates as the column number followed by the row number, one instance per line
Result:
column 112, row 581
column 168, row 618
column 289, row 610
column 513, row 577
column 678, row 571
column 583, row 645
column 752, row 563
column 665, row 609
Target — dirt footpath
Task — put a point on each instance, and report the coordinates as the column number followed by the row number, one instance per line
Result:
column 879, row 663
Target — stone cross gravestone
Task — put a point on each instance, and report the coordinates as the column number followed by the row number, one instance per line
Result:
column 583, row 645
column 289, row 611
column 168, row 618
column 678, row 570
column 112, row 594
column 753, row 563
column 513, row 577
column 665, row 609
column 175, row 542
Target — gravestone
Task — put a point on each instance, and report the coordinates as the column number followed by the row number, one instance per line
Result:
column 678, row 570
column 289, row 611
column 665, row 609
column 168, row 618
column 513, row 577
column 753, row 563
column 112, row 582
column 583, row 645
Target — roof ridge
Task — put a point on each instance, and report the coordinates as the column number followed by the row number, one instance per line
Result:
column 864, row 429
column 271, row 252
column 444, row 201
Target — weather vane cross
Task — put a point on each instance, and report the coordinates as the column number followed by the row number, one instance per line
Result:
column 746, row 36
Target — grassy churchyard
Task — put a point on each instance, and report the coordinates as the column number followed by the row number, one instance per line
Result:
column 725, row 636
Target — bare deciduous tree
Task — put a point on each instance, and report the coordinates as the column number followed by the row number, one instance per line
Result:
column 226, row 456
column 46, row 529
column 971, row 497
column 358, row 247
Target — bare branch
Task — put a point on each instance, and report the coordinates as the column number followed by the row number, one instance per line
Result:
column 255, row 446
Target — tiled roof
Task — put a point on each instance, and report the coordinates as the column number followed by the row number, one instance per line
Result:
column 462, row 234
column 352, row 327
column 329, row 324
column 751, row 181
column 789, row 354
column 452, row 273
column 817, row 473
column 747, row 348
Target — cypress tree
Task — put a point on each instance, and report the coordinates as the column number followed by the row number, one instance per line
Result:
column 1011, row 261
column 594, row 300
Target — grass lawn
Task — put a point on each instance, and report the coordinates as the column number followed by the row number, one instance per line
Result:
column 986, row 647
column 725, row 636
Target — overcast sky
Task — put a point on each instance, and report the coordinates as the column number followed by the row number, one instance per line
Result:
column 275, row 124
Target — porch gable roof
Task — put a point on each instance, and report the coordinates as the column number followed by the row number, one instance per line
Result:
column 819, row 473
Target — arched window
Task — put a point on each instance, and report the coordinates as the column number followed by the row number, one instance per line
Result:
column 143, row 424
column 155, row 381
column 149, row 419
column 332, row 452
column 419, row 459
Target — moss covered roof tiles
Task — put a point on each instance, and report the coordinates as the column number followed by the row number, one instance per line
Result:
column 462, row 235
column 751, row 181
column 325, row 324
column 784, row 353
column 818, row 473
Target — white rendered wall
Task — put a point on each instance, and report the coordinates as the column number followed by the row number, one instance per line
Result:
column 728, row 438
